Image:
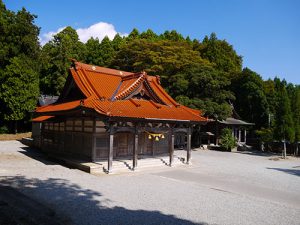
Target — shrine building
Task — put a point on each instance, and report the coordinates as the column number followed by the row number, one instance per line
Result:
column 109, row 114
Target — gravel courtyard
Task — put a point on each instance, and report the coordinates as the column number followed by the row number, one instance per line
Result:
column 218, row 188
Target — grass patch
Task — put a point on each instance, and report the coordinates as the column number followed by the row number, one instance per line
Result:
column 19, row 136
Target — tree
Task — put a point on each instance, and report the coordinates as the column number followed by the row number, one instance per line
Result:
column 172, row 36
column 221, row 54
column 284, row 126
column 227, row 140
column 19, row 54
column 19, row 89
column 134, row 34
column 294, row 96
column 107, row 52
column 93, row 51
column 117, row 42
column 271, row 96
column 251, row 103
column 296, row 116
column 206, row 88
column 149, row 35
column 160, row 57
column 56, row 62
column 98, row 53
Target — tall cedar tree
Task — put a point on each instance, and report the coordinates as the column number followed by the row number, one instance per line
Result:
column 221, row 54
column 205, row 88
column 19, row 54
column 56, row 62
column 251, row 102
column 284, row 126
column 294, row 96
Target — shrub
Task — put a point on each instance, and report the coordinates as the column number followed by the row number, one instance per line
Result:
column 227, row 140
column 3, row 130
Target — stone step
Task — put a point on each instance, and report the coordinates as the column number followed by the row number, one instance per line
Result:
column 126, row 165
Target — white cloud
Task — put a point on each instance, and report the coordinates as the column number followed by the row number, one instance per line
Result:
column 97, row 30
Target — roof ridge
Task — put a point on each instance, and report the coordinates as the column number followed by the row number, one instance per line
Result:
column 176, row 104
column 90, row 84
column 100, row 69
column 134, row 85
column 192, row 111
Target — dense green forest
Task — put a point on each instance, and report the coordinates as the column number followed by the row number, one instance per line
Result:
column 204, row 74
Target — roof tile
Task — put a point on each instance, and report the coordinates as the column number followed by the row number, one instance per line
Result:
column 100, row 85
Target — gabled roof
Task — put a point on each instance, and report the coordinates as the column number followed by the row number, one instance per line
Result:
column 47, row 100
column 233, row 121
column 116, row 93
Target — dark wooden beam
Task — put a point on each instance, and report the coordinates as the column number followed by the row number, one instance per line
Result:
column 171, row 146
column 94, row 141
column 135, row 149
column 188, row 152
column 110, row 151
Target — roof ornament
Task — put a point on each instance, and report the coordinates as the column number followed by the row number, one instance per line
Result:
column 158, row 79
column 93, row 67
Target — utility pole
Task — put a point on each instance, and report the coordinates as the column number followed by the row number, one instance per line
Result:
column 284, row 142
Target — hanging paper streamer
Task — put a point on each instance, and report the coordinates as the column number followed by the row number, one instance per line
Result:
column 155, row 136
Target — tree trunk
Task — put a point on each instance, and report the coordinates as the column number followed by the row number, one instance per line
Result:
column 284, row 149
column 15, row 126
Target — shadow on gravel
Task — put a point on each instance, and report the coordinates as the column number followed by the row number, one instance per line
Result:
column 289, row 171
column 69, row 202
column 258, row 153
column 37, row 155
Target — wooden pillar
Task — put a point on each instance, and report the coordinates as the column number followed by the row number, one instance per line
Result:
column 171, row 146
column 110, row 151
column 94, row 141
column 188, row 152
column 245, row 136
column 135, row 149
column 239, row 135
column 217, row 134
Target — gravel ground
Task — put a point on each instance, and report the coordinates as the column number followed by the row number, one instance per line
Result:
column 218, row 188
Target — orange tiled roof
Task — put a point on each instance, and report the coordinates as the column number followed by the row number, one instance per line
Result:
column 111, row 93
column 41, row 118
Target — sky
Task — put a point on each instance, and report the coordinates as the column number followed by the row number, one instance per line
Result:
column 266, row 33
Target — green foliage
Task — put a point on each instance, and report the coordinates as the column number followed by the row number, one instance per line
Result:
column 284, row 125
column 149, row 35
column 93, row 51
column 117, row 42
column 172, row 36
column 56, row 56
column 270, row 92
column 221, row 54
column 251, row 102
column 227, row 140
column 19, row 58
column 265, row 134
column 19, row 89
column 296, row 113
column 156, row 57
column 206, row 88
column 4, row 130
column 294, row 97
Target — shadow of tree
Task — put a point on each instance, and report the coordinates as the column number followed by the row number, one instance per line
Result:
column 258, row 153
column 84, row 206
column 37, row 155
column 289, row 171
